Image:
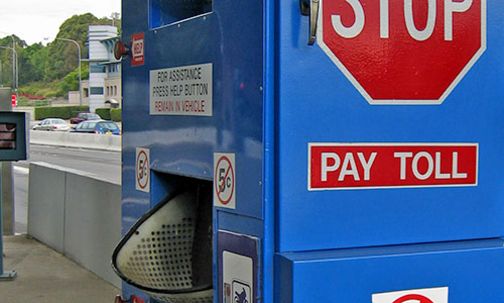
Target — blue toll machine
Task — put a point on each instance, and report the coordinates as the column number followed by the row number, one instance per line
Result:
column 312, row 151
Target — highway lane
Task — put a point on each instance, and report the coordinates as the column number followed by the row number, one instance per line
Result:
column 105, row 165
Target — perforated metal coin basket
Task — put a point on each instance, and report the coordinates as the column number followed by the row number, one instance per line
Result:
column 168, row 252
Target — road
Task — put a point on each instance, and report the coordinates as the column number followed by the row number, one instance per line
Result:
column 105, row 165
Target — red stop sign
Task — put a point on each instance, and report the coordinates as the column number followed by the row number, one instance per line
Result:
column 403, row 51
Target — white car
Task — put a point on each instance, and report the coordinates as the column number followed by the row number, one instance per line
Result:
column 52, row 124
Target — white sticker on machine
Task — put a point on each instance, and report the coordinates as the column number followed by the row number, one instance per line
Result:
column 224, row 180
column 142, row 169
column 426, row 295
column 183, row 90
column 237, row 277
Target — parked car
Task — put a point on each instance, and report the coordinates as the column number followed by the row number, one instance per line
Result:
column 52, row 124
column 98, row 127
column 84, row 117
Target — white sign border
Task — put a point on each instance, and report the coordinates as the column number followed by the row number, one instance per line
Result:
column 389, row 144
column 369, row 99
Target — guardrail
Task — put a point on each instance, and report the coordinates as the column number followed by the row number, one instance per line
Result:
column 75, row 214
column 69, row 139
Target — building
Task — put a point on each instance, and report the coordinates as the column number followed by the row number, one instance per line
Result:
column 103, row 89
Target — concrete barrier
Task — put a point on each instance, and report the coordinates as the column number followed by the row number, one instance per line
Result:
column 29, row 110
column 69, row 139
column 77, row 215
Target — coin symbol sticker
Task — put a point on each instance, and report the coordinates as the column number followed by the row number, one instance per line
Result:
column 224, row 181
column 142, row 170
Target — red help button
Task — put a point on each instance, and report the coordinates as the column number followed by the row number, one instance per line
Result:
column 360, row 166
column 120, row 50
column 404, row 51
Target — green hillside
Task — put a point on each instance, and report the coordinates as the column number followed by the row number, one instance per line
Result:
column 51, row 70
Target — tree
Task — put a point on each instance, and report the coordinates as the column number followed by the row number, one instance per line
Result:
column 6, row 57
column 32, row 62
column 71, row 81
column 63, row 57
column 53, row 66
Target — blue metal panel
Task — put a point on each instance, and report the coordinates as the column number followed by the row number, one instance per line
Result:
column 269, row 166
column 244, row 246
column 184, row 145
column 316, row 103
column 273, row 95
column 248, row 226
column 350, row 276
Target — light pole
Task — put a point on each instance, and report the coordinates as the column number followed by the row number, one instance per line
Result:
column 80, row 75
column 115, row 16
column 14, row 66
column 15, row 72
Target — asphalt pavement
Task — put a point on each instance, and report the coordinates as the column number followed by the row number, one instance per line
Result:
column 105, row 165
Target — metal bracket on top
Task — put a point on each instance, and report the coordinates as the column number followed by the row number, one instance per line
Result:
column 311, row 8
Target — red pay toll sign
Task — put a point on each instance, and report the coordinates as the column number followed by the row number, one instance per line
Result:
column 359, row 166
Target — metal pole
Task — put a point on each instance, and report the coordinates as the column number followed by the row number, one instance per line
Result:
column 80, row 76
column 4, row 275
column 13, row 63
column 7, row 192
column 17, row 70
column 80, row 65
column 14, row 68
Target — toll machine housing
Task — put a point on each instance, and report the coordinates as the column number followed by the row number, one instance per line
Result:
column 267, row 126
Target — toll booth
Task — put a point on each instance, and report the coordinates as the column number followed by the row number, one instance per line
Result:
column 312, row 151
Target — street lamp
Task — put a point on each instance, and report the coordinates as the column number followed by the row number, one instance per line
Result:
column 14, row 66
column 80, row 75
column 15, row 72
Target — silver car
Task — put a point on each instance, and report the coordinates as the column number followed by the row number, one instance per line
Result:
column 52, row 124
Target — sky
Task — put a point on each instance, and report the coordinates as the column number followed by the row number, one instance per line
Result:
column 34, row 20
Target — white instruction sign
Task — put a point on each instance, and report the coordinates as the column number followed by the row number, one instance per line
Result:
column 184, row 90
